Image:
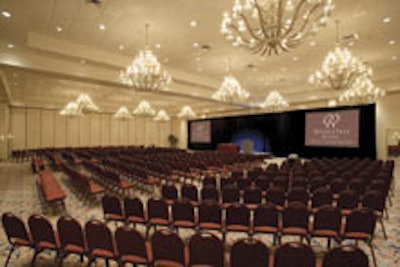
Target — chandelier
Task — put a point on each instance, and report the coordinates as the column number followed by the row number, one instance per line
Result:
column 162, row 115
column 339, row 69
column 122, row 113
column 145, row 72
column 362, row 91
column 230, row 89
column 83, row 104
column 186, row 112
column 144, row 109
column 72, row 110
column 274, row 101
column 6, row 137
column 273, row 26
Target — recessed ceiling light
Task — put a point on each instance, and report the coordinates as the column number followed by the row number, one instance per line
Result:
column 295, row 59
column 102, row 26
column 59, row 29
column 387, row 20
column 9, row 45
column 196, row 45
column 351, row 43
column 313, row 43
column 198, row 58
column 193, row 23
column 394, row 57
column 166, row 60
column 6, row 14
column 121, row 47
column 392, row 42
column 158, row 46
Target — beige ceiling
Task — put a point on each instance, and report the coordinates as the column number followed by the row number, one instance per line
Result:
column 46, row 68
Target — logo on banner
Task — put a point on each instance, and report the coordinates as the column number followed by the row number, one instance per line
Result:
column 331, row 120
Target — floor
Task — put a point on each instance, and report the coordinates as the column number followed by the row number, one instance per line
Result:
column 18, row 194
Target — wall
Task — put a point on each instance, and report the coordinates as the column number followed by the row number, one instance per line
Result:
column 4, row 129
column 387, row 117
column 39, row 128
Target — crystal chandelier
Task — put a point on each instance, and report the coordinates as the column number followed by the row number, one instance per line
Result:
column 230, row 89
column 72, row 110
column 186, row 112
column 6, row 137
column 162, row 115
column 274, row 101
column 362, row 91
column 145, row 72
column 273, row 26
column 339, row 69
column 83, row 104
column 86, row 103
column 144, row 109
column 122, row 113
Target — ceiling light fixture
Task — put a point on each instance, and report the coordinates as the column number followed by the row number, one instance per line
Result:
column 9, row 45
column 59, row 29
column 122, row 113
column 193, row 23
column 102, row 26
column 71, row 110
column 144, row 109
column 83, row 104
column 186, row 112
column 273, row 26
column 162, row 115
column 339, row 69
column 145, row 72
column 274, row 101
column 230, row 89
column 363, row 91
column 387, row 20
column 6, row 14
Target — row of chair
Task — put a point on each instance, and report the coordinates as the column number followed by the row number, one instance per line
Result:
column 50, row 190
column 295, row 219
column 165, row 247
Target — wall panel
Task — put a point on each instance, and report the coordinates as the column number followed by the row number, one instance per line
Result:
column 47, row 131
column 114, row 124
column 60, row 130
column 73, row 132
column 95, row 130
column 140, row 131
column 123, row 132
column 18, row 128
column 105, row 130
column 34, row 128
column 84, row 130
column 132, row 136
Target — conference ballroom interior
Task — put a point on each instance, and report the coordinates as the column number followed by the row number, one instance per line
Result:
column 230, row 133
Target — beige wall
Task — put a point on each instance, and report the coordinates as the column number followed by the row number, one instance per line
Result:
column 4, row 129
column 37, row 128
column 387, row 117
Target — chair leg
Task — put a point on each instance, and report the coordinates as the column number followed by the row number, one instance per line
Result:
column 372, row 253
column 34, row 258
column 383, row 227
column 9, row 255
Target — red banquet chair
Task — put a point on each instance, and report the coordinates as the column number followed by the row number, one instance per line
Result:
column 16, row 232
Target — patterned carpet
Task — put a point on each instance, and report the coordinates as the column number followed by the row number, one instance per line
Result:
column 18, row 194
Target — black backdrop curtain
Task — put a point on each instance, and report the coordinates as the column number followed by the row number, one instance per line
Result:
column 286, row 133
